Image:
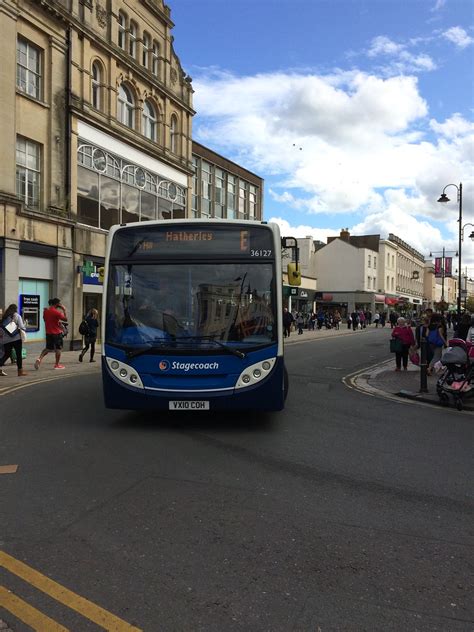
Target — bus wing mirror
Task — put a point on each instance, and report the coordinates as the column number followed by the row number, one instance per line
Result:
column 294, row 274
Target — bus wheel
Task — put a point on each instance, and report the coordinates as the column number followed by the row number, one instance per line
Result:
column 285, row 383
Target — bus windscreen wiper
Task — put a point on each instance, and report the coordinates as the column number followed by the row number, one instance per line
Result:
column 236, row 352
column 133, row 351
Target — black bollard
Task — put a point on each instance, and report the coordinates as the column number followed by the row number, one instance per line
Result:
column 423, row 365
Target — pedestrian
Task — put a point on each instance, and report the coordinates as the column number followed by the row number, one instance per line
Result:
column 376, row 319
column 368, row 317
column 349, row 321
column 287, row 322
column 54, row 316
column 354, row 320
column 362, row 319
column 470, row 333
column 404, row 334
column 421, row 335
column 312, row 321
column 300, row 323
column 13, row 332
column 437, row 339
column 463, row 326
column 393, row 318
column 91, row 337
column 337, row 319
column 383, row 318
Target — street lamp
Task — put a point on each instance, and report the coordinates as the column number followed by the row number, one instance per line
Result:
column 471, row 236
column 444, row 198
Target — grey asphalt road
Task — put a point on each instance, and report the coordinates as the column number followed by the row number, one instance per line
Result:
column 344, row 512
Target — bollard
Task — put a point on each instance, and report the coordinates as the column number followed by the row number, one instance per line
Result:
column 423, row 365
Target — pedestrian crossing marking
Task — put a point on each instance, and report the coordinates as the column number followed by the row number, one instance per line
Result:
column 26, row 613
column 84, row 607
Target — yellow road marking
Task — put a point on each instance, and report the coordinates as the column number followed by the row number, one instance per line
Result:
column 26, row 613
column 86, row 608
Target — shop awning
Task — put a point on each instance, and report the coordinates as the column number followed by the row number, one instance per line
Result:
column 379, row 298
column 391, row 301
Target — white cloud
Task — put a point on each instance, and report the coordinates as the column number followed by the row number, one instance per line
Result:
column 401, row 60
column 367, row 145
column 439, row 5
column 302, row 230
column 458, row 36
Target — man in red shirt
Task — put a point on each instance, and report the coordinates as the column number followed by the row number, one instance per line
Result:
column 53, row 317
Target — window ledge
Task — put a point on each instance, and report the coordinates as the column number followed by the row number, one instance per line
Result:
column 33, row 99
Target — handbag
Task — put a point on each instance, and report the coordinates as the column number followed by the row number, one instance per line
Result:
column 415, row 357
column 396, row 345
column 11, row 328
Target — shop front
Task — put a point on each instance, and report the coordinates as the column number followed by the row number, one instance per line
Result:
column 92, row 285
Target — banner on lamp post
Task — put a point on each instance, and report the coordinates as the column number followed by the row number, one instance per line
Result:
column 448, row 266
column 438, row 267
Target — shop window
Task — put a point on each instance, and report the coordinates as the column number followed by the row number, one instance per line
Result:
column 28, row 68
column 87, row 197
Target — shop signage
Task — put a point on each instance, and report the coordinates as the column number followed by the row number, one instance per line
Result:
column 92, row 273
column 303, row 294
column 30, row 311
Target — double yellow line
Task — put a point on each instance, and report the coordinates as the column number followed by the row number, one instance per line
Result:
column 41, row 622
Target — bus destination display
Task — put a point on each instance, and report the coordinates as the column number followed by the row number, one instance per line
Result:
column 159, row 241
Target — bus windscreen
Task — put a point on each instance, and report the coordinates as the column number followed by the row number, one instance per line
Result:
column 197, row 240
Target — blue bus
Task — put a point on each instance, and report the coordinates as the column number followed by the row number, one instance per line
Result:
column 192, row 316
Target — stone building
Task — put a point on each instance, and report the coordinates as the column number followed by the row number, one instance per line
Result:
column 223, row 189
column 96, row 127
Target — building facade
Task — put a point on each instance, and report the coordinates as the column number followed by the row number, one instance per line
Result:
column 96, row 123
column 224, row 189
column 301, row 298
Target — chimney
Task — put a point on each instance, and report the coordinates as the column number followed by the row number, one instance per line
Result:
column 345, row 234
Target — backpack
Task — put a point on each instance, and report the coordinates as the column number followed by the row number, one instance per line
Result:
column 84, row 328
column 434, row 338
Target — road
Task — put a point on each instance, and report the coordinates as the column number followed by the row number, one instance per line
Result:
column 344, row 512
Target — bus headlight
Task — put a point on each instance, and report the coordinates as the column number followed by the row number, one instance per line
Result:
column 124, row 373
column 254, row 373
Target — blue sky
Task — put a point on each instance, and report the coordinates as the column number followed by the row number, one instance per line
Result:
column 378, row 94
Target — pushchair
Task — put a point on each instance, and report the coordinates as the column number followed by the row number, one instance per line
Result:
column 456, row 381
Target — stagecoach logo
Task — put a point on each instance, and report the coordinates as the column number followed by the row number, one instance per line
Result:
column 164, row 365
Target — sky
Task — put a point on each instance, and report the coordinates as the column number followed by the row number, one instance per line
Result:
column 357, row 113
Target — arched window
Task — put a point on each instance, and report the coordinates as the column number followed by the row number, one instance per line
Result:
column 155, row 59
column 126, row 107
column 146, row 50
column 132, row 41
column 174, row 134
column 149, row 121
column 96, row 85
column 122, row 29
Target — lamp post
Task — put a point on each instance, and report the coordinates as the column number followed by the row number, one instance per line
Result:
column 444, row 198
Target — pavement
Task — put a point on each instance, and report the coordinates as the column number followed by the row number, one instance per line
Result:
column 379, row 380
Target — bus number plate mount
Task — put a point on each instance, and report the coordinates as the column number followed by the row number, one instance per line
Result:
column 188, row 405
